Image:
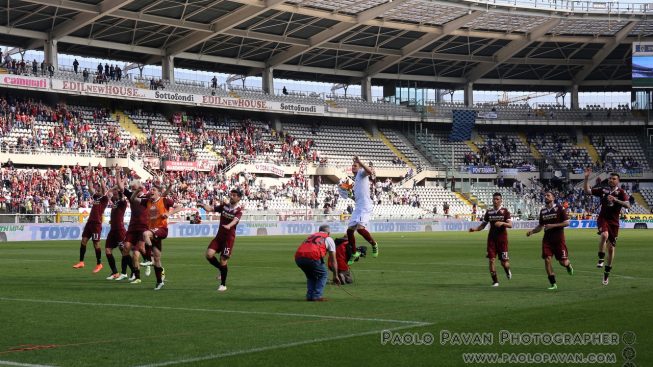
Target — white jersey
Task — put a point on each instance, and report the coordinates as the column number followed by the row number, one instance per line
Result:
column 362, row 191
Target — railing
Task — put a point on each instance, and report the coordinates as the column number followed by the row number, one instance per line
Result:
column 20, row 218
column 601, row 7
column 299, row 215
column 62, row 151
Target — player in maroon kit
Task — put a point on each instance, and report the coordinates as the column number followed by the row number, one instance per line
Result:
column 138, row 224
column 343, row 253
column 497, row 240
column 117, row 233
column 223, row 243
column 93, row 227
column 613, row 199
column 553, row 219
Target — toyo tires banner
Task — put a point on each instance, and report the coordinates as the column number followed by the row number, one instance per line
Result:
column 55, row 232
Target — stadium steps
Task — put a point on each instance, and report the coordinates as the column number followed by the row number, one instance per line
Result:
column 474, row 199
column 128, row 124
column 591, row 150
column 381, row 136
column 534, row 152
column 210, row 149
column 462, row 197
column 427, row 173
column 472, row 146
column 639, row 199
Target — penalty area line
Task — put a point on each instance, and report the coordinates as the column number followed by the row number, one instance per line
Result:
column 280, row 346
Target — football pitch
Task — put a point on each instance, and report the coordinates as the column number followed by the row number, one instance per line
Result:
column 421, row 284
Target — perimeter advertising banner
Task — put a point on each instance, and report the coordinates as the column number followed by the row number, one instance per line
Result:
column 162, row 96
column 55, row 232
column 23, row 82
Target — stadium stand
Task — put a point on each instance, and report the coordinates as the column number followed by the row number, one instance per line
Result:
column 647, row 193
column 562, row 149
column 338, row 142
column 620, row 150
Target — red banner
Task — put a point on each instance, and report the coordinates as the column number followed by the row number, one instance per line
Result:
column 187, row 166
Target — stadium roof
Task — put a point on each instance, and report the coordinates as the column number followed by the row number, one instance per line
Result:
column 516, row 45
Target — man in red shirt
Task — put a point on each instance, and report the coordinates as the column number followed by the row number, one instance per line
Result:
column 93, row 227
column 310, row 258
column 497, row 239
column 553, row 219
column 223, row 243
column 613, row 199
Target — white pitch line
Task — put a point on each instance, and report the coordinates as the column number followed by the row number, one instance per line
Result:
column 10, row 363
column 273, row 347
column 278, row 268
column 167, row 308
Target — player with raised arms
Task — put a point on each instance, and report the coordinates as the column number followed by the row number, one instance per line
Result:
column 360, row 218
column 93, row 227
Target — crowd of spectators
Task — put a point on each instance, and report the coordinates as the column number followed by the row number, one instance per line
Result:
column 60, row 128
column 496, row 151
column 46, row 191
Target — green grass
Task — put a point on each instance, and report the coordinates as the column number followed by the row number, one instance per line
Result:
column 421, row 282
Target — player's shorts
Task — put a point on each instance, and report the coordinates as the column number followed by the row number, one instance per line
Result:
column 360, row 218
column 134, row 237
column 612, row 229
column 555, row 248
column 223, row 246
column 92, row 231
column 115, row 239
column 160, row 233
column 497, row 248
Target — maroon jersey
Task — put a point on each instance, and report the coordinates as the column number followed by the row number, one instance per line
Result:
column 554, row 215
column 139, row 218
column 118, row 215
column 610, row 211
column 99, row 204
column 227, row 215
column 496, row 215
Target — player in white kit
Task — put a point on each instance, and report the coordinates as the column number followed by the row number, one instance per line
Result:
column 362, row 214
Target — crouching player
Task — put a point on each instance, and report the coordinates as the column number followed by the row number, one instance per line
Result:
column 343, row 253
